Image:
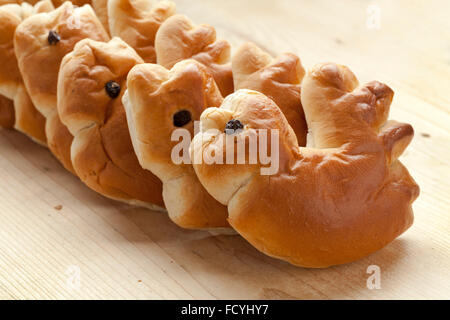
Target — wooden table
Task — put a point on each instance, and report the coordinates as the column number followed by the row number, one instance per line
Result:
column 58, row 239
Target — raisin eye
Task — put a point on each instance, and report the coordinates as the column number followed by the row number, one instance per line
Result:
column 112, row 89
column 181, row 118
column 53, row 37
column 233, row 125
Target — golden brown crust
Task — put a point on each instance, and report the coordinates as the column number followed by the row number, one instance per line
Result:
column 341, row 198
column 101, row 9
column 58, row 3
column 278, row 78
column 102, row 151
column 60, row 140
column 137, row 21
column 154, row 96
column 178, row 39
column 9, row 73
column 3, row 2
column 26, row 118
column 39, row 63
column 6, row 113
column 223, row 180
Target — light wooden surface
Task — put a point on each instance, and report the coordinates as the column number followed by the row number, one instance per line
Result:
column 51, row 225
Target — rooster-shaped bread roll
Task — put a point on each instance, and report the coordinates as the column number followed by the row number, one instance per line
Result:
column 20, row 111
column 340, row 198
column 40, row 43
column 137, row 21
column 158, row 102
column 178, row 39
column 92, row 80
column 278, row 78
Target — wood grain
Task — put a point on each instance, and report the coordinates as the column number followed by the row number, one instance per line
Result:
column 51, row 223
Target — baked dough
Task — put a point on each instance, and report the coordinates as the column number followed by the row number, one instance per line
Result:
column 92, row 80
column 56, row 3
column 137, row 21
column 278, row 78
column 80, row 3
column 101, row 9
column 158, row 102
column 40, row 43
column 32, row 2
column 340, row 198
column 20, row 111
column 6, row 113
column 178, row 39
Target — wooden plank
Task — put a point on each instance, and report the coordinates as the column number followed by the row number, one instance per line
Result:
column 127, row 252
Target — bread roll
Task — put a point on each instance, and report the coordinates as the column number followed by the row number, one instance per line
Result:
column 158, row 102
column 137, row 21
column 278, row 78
column 20, row 111
column 178, row 39
column 340, row 198
column 92, row 80
column 40, row 42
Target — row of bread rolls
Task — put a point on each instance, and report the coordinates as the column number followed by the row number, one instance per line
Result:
column 105, row 89
column 17, row 109
column 94, row 143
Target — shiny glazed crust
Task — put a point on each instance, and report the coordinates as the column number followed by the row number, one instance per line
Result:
column 340, row 198
column 39, row 63
column 178, row 39
column 137, row 21
column 154, row 95
column 102, row 152
column 21, row 111
column 278, row 78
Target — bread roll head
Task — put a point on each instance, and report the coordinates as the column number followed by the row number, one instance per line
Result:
column 26, row 118
column 278, row 78
column 178, row 39
column 157, row 103
column 137, row 21
column 222, row 179
column 341, row 198
column 91, row 108
column 11, row 15
column 40, row 43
